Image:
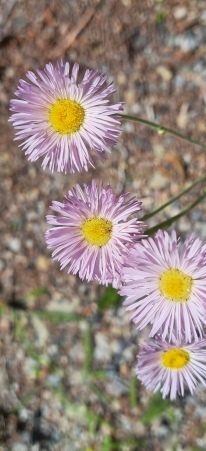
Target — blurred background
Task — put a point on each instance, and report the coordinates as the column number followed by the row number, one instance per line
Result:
column 67, row 349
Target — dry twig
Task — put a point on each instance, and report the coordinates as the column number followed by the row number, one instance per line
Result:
column 76, row 30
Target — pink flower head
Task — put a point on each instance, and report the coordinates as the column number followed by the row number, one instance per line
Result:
column 92, row 233
column 165, row 284
column 59, row 118
column 169, row 367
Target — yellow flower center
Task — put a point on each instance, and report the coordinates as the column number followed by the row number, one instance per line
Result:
column 97, row 231
column 175, row 358
column 175, row 285
column 66, row 116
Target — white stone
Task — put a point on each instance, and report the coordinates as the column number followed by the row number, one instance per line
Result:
column 14, row 244
column 41, row 331
column 180, row 12
column 164, row 73
column 158, row 181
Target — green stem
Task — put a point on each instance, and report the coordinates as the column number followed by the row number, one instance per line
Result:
column 162, row 130
column 170, row 221
column 162, row 207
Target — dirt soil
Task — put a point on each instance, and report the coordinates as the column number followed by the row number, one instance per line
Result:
column 66, row 363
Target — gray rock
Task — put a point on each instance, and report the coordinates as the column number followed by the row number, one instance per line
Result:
column 41, row 331
column 158, row 181
column 164, row 72
column 19, row 447
column 23, row 415
column 14, row 244
column 32, row 215
column 35, row 447
column 139, row 42
column 179, row 12
column 201, row 442
column 102, row 347
column 53, row 380
column 116, row 387
column 187, row 41
column 26, row 437
column 179, row 81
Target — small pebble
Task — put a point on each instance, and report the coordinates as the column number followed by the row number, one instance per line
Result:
column 23, row 415
column 180, row 12
column 42, row 263
column 158, row 181
column 14, row 244
column 164, row 72
column 19, row 447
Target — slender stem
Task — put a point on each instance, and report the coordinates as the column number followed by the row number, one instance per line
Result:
column 162, row 130
column 170, row 221
column 162, row 207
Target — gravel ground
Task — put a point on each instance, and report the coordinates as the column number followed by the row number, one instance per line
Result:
column 67, row 363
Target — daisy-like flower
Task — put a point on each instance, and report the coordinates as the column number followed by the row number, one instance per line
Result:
column 169, row 367
column 165, row 285
column 59, row 118
column 92, row 233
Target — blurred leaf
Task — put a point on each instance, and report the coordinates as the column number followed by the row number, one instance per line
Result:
column 58, row 317
column 98, row 374
column 110, row 298
column 160, row 18
column 34, row 294
column 156, row 407
column 133, row 391
column 132, row 444
column 20, row 332
column 93, row 421
column 2, row 309
column 107, row 444
column 104, row 397
column 88, row 349
column 79, row 411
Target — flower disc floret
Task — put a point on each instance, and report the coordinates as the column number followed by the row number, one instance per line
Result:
column 171, row 367
column 175, row 285
column 61, row 119
column 66, row 116
column 97, row 231
column 175, row 358
column 92, row 233
column 164, row 281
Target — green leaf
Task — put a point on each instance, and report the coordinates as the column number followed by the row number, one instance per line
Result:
column 2, row 309
column 88, row 349
column 58, row 317
column 110, row 298
column 133, row 391
column 108, row 444
column 157, row 406
column 160, row 18
column 34, row 294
